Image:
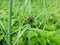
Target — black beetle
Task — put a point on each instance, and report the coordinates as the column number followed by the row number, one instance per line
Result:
column 30, row 20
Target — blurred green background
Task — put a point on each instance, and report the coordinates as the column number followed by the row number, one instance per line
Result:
column 45, row 28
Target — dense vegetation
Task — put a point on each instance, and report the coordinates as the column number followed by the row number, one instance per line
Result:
column 44, row 23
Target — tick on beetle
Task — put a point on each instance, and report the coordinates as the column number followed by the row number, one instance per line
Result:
column 30, row 20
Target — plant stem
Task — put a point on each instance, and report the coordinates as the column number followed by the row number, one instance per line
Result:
column 29, row 35
column 9, row 22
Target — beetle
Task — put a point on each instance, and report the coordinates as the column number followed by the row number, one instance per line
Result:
column 30, row 20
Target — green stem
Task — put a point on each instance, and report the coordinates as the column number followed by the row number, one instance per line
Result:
column 9, row 22
column 29, row 14
column 29, row 35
